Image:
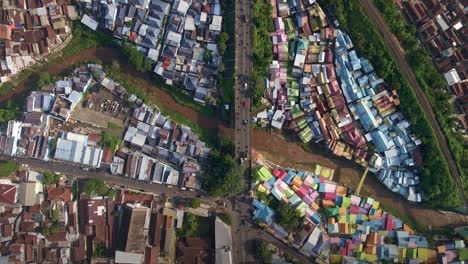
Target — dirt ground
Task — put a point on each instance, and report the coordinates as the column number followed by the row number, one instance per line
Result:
column 275, row 148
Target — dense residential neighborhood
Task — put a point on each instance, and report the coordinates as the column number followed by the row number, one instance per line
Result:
column 30, row 30
column 336, row 225
column 217, row 131
column 179, row 37
column 320, row 88
column 441, row 26
column 50, row 223
column 64, row 121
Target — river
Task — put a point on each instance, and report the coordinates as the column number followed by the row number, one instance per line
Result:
column 275, row 148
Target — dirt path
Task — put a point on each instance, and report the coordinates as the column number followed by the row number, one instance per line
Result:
column 397, row 52
column 274, row 148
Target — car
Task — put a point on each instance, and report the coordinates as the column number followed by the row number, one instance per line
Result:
column 246, row 103
column 85, row 168
column 244, row 122
column 246, row 86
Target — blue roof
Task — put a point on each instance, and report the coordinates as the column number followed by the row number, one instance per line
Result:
column 263, row 212
column 381, row 141
column 366, row 116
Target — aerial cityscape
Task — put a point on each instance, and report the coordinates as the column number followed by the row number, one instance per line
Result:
column 221, row 131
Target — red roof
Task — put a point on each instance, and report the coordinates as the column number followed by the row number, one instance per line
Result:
column 7, row 193
column 59, row 193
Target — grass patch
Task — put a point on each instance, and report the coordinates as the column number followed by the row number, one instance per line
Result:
column 226, row 218
column 6, row 87
column 7, row 168
column 113, row 126
column 112, row 142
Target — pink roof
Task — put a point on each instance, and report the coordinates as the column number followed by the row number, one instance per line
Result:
column 7, row 193
column 389, row 223
column 330, row 196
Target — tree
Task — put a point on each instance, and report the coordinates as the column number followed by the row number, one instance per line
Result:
column 53, row 144
column 189, row 226
column 222, row 43
column 100, row 250
column 55, row 216
column 48, row 178
column 195, row 203
column 110, row 141
column 266, row 255
column 95, row 187
column 287, row 216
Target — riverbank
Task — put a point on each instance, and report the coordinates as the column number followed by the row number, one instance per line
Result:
column 274, row 147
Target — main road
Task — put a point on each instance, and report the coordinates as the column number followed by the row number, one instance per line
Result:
column 243, row 244
column 395, row 48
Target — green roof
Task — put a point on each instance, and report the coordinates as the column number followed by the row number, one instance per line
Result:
column 346, row 202
column 332, row 211
column 463, row 254
column 412, row 253
column 264, row 174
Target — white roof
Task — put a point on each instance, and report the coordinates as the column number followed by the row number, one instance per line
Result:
column 142, row 31
column 128, row 258
column 189, row 23
column 153, row 54
column 89, row 22
column 183, row 7
column 76, row 137
column 203, row 17
column 223, row 243
column 174, row 37
column 216, row 23
column 458, row 25
column 452, row 77
column 299, row 60
column 441, row 22
column 278, row 119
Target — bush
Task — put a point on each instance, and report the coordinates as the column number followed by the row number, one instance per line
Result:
column 189, row 226
column 112, row 142
column 44, row 79
column 195, row 203
column 226, row 218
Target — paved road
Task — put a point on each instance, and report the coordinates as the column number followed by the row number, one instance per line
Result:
column 243, row 67
column 243, row 248
column 395, row 48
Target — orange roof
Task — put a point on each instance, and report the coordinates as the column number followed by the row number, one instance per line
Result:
column 59, row 193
